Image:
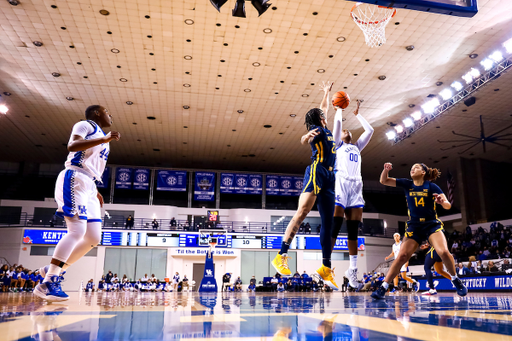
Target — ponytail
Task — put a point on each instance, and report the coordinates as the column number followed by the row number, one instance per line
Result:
column 431, row 174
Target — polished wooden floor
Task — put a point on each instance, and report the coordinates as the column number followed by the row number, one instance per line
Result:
column 256, row 316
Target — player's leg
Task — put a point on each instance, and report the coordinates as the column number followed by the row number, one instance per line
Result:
column 408, row 247
column 438, row 242
column 339, row 213
column 404, row 274
column 438, row 266
column 429, row 262
column 354, row 216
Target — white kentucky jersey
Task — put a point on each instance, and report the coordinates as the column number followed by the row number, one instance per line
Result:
column 348, row 161
column 92, row 161
column 396, row 249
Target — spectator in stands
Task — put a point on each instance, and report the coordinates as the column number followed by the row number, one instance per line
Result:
column 280, row 287
column 185, row 283
column 4, row 277
column 108, row 277
column 289, row 285
column 252, row 284
column 274, row 282
column 173, row 222
column 102, row 285
column 155, row 224
column 115, row 278
column 455, row 247
column 125, row 279
column 129, row 222
column 226, row 279
column 506, row 265
column 314, row 286
column 482, row 256
column 462, row 270
column 238, row 284
column 304, row 275
column 491, row 267
column 89, row 287
column 144, row 279
column 318, row 228
column 308, row 228
column 153, row 278
column 302, row 228
column 296, row 283
column 344, row 285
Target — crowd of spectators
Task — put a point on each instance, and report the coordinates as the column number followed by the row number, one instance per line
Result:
column 111, row 283
column 17, row 278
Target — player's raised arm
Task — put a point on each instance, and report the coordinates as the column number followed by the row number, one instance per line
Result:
column 384, row 176
column 442, row 200
column 365, row 137
column 78, row 143
column 338, row 127
column 309, row 137
column 326, row 87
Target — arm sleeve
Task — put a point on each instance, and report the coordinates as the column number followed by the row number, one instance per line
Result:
column 82, row 129
column 403, row 183
column 435, row 188
column 336, row 131
column 364, row 139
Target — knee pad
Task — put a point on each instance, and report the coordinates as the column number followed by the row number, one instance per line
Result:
column 338, row 221
column 352, row 229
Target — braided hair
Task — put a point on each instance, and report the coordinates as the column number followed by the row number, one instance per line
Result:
column 314, row 117
column 431, row 174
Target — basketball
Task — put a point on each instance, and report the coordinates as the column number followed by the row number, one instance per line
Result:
column 340, row 100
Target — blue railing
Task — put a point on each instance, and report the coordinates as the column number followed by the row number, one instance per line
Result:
column 148, row 224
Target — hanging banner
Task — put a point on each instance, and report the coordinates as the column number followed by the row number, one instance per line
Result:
column 298, row 183
column 104, row 178
column 255, row 185
column 123, row 178
column 241, row 183
column 286, row 185
column 227, row 183
column 171, row 181
column 204, row 186
column 141, row 179
column 272, row 185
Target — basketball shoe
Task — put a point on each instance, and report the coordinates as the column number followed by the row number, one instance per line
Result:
column 327, row 275
column 280, row 263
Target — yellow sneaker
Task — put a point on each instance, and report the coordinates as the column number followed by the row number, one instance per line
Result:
column 280, row 263
column 327, row 276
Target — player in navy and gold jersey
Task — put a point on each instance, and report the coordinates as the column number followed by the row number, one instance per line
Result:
column 433, row 259
column 318, row 184
column 422, row 196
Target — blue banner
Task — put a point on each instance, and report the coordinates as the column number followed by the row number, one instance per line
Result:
column 298, row 183
column 272, row 185
column 287, row 185
column 227, row 183
column 313, row 243
column 208, row 283
column 241, row 183
column 104, row 178
column 496, row 282
column 124, row 178
column 204, row 189
column 255, row 185
column 141, row 179
column 48, row 237
column 171, row 181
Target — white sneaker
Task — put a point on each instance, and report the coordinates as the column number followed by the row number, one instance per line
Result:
column 351, row 274
column 431, row 292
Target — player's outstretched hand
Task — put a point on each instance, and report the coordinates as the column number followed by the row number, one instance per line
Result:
column 438, row 198
column 113, row 135
column 311, row 135
column 326, row 86
column 358, row 103
column 388, row 166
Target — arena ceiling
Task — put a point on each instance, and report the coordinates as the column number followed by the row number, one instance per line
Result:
column 212, row 81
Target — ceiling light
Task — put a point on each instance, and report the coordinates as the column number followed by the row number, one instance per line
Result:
column 391, row 135
column 3, row 109
column 497, row 56
column 247, row 90
column 267, row 30
column 487, row 63
column 408, row 122
column 151, row 118
column 473, row 55
column 38, row 43
column 69, row 98
column 292, row 115
column 267, row 126
column 186, row 85
column 399, row 128
column 439, row 83
column 124, row 80
column 320, row 70
column 256, row 64
column 457, row 86
column 409, row 48
column 416, row 115
column 7, row 93
column 186, row 107
column 14, row 2
column 55, row 74
column 305, row 95
column 341, row 39
column 446, row 94
column 508, row 45
column 104, row 12
column 412, row 105
column 129, row 102
column 474, row 72
column 381, row 77
column 468, row 78
column 187, row 57
column 115, row 51
column 240, row 111
column 189, row 21
column 430, row 106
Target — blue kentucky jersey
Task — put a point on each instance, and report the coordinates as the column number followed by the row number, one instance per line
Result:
column 420, row 199
column 323, row 148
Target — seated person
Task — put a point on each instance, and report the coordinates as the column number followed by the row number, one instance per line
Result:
column 491, row 267
column 274, row 282
column 314, row 286
column 280, row 287
column 101, row 286
column 89, row 286
column 238, row 284
column 289, row 285
column 226, row 281
column 184, row 282
column 296, row 283
column 127, row 286
column 252, row 284
column 116, row 286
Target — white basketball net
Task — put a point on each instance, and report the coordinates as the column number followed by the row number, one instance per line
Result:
column 372, row 20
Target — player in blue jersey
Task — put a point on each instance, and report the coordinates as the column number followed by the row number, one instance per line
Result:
column 422, row 196
column 318, row 184
column 432, row 259
column 78, row 200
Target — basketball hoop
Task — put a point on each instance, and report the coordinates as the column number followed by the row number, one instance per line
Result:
column 372, row 20
column 212, row 242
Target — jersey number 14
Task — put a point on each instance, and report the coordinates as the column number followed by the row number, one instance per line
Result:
column 420, row 202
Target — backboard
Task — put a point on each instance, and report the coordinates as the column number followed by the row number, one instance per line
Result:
column 460, row 8
column 216, row 237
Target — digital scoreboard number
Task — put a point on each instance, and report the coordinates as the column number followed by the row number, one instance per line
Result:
column 246, row 242
column 213, row 216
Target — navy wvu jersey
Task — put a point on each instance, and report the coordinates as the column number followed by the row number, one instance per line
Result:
column 323, row 148
column 420, row 200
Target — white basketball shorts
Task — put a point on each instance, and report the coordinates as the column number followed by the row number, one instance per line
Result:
column 76, row 193
column 404, row 268
column 349, row 193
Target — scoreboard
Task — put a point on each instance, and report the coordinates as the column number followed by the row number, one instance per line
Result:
column 114, row 239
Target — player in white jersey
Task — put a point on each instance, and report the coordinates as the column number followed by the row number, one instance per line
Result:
column 349, row 186
column 403, row 270
column 78, row 200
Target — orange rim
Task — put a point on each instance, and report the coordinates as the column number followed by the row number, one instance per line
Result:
column 371, row 22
